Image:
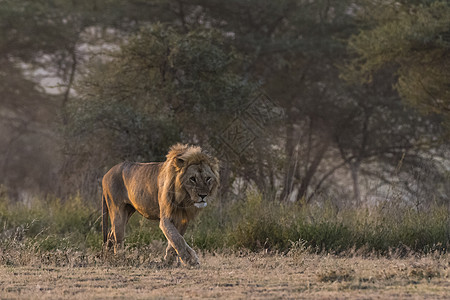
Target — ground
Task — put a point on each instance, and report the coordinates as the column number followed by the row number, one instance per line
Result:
column 232, row 276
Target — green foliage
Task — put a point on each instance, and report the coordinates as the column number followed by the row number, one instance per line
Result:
column 161, row 72
column 51, row 224
column 254, row 224
column 140, row 231
column 160, row 87
column 414, row 40
column 417, row 230
column 258, row 224
column 207, row 231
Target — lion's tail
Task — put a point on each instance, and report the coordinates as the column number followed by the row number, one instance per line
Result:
column 104, row 219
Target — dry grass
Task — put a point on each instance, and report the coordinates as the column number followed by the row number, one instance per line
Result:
column 51, row 250
column 138, row 275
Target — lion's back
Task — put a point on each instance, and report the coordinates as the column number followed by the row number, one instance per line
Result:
column 136, row 184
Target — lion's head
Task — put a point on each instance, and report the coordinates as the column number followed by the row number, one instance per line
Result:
column 197, row 175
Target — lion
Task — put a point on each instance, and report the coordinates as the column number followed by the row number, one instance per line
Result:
column 173, row 192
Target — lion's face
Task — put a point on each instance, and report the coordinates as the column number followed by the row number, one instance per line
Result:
column 201, row 183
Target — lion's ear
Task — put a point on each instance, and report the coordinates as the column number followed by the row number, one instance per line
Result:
column 179, row 162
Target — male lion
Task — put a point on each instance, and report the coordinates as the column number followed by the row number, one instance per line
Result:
column 173, row 192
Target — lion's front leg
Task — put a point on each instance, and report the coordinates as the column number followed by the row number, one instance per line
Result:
column 176, row 240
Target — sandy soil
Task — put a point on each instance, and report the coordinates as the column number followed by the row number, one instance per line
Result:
column 235, row 276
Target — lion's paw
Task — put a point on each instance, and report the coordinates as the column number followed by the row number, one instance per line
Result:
column 190, row 258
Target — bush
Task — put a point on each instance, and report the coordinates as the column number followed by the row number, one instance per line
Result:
column 258, row 223
column 254, row 224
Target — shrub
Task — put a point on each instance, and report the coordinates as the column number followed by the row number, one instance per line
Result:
column 254, row 224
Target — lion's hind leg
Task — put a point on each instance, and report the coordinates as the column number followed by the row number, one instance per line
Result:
column 108, row 238
column 119, row 219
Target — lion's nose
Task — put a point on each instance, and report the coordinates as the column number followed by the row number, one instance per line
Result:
column 202, row 196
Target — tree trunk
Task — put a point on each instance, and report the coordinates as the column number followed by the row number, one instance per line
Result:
column 354, row 169
column 225, row 179
column 261, row 177
column 291, row 162
column 311, row 170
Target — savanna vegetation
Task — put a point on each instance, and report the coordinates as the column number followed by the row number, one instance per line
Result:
column 253, row 248
column 256, row 224
column 330, row 118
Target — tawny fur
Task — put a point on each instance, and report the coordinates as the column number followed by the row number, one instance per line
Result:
column 169, row 191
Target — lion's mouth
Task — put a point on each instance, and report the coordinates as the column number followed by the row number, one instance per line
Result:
column 200, row 204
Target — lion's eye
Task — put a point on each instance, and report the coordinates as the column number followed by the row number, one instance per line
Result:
column 192, row 179
column 208, row 180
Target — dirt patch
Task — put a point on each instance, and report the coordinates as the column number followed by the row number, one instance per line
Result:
column 237, row 276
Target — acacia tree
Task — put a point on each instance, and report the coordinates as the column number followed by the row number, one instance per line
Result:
column 290, row 47
column 161, row 87
column 413, row 40
column 294, row 48
column 41, row 39
column 188, row 80
column 408, row 39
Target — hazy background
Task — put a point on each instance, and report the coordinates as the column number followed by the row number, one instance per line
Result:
column 303, row 101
